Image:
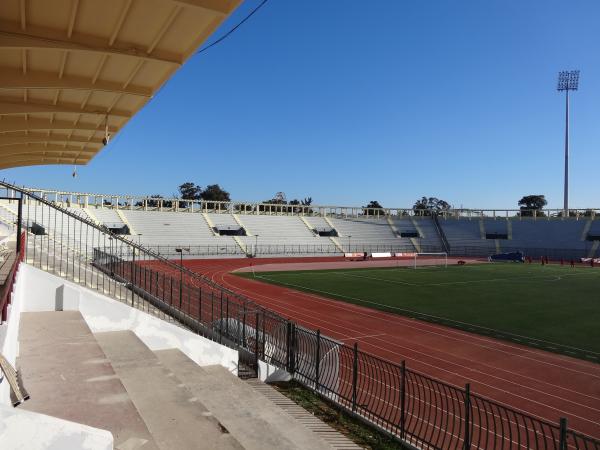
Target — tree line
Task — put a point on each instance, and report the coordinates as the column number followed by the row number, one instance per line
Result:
column 427, row 206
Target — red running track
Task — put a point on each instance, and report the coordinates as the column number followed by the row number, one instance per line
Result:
column 542, row 384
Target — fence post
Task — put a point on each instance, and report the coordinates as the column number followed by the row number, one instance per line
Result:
column 562, row 445
column 200, row 304
column 354, row 376
column 288, row 333
column 19, row 224
column 244, row 328
column 256, row 342
column 132, row 277
column 318, row 360
column 467, row 441
column 226, row 315
column 221, row 319
column 402, row 399
column 263, row 334
column 290, row 360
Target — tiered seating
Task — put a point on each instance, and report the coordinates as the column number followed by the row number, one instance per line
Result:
column 317, row 222
column 465, row 233
column 174, row 229
column 104, row 215
column 222, row 220
column 280, row 231
column 594, row 228
column 496, row 226
column 430, row 240
column 555, row 234
column 375, row 234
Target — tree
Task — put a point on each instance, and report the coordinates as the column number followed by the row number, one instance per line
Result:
column 190, row 191
column 530, row 203
column 372, row 207
column 213, row 192
column 304, row 202
column 428, row 206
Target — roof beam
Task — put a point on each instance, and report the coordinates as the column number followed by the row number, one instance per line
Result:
column 221, row 7
column 11, row 140
column 22, row 161
column 9, row 108
column 8, row 124
column 40, row 149
column 11, row 37
column 16, row 79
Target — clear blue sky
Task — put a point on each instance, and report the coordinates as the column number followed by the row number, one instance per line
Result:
column 348, row 101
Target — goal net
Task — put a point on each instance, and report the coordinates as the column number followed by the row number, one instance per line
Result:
column 430, row 260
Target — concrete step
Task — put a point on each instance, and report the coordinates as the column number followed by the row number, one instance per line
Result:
column 336, row 439
column 69, row 377
column 174, row 417
column 255, row 422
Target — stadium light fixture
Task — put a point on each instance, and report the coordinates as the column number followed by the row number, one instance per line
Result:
column 567, row 81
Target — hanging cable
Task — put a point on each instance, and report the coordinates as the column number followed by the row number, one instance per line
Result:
column 226, row 35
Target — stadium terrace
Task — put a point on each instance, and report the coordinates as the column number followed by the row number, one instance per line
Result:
column 146, row 323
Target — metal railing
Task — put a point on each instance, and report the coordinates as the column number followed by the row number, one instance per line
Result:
column 149, row 203
column 409, row 405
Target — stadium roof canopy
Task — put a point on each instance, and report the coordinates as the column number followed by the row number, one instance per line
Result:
column 71, row 68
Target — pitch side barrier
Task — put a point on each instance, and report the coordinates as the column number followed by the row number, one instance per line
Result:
column 408, row 405
column 265, row 250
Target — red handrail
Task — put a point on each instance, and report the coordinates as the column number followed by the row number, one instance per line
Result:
column 6, row 289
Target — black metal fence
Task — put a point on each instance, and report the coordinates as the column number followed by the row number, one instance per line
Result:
column 412, row 406
column 265, row 250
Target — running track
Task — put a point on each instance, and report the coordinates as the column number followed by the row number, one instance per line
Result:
column 542, row 384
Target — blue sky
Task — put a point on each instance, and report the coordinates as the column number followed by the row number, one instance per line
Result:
column 348, row 101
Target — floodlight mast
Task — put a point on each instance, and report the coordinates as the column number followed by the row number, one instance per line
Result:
column 567, row 81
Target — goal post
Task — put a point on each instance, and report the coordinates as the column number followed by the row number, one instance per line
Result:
column 436, row 259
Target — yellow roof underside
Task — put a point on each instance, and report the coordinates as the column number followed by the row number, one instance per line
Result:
column 69, row 66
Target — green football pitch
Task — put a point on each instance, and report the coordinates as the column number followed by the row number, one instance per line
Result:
column 552, row 307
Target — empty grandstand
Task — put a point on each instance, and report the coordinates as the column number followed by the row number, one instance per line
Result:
column 254, row 229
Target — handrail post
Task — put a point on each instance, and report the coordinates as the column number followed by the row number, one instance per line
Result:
column 318, row 360
column 354, row 375
column 467, row 440
column 402, row 399
column 562, row 445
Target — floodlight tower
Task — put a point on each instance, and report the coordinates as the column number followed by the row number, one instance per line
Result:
column 567, row 81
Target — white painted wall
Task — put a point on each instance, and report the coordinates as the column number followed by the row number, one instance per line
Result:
column 25, row 430
column 104, row 314
column 9, row 338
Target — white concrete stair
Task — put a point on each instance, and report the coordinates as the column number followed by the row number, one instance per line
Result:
column 69, row 377
column 173, row 415
column 334, row 438
column 256, row 422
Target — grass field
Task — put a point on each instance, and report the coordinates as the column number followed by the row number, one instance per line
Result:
column 552, row 307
